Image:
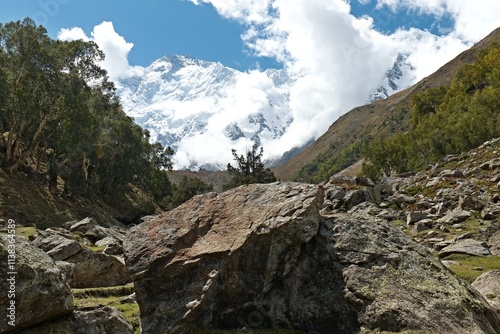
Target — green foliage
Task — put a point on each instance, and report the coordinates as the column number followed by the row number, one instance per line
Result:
column 324, row 166
column 59, row 116
column 185, row 190
column 471, row 267
column 444, row 120
column 249, row 169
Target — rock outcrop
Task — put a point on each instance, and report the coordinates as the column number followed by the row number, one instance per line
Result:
column 82, row 267
column 262, row 256
column 40, row 290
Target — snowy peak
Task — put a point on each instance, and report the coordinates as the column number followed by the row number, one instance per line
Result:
column 397, row 78
column 204, row 109
column 186, row 103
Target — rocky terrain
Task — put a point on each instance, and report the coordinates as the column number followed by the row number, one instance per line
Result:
column 416, row 253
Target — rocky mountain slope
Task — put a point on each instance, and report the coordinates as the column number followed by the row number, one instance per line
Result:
column 331, row 258
column 375, row 120
column 349, row 256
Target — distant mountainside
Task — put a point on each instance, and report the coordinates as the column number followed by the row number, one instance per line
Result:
column 339, row 146
column 178, row 99
column 400, row 76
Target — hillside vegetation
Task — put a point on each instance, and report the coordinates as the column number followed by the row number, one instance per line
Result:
column 67, row 149
column 342, row 144
column 444, row 120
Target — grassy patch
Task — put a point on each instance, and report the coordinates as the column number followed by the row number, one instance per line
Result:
column 471, row 267
column 414, row 190
column 26, row 231
column 121, row 290
column 109, row 296
column 96, row 249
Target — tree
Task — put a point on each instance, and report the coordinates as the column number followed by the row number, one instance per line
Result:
column 59, row 116
column 185, row 190
column 249, row 169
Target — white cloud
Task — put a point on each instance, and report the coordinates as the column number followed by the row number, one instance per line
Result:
column 72, row 34
column 336, row 60
column 114, row 46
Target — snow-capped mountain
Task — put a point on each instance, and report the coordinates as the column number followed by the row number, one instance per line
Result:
column 399, row 77
column 203, row 109
column 179, row 99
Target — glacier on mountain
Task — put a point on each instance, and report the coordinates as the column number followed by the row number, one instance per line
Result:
column 203, row 109
column 398, row 77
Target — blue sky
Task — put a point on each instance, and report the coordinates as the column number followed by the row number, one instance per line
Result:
column 160, row 27
column 156, row 27
column 337, row 51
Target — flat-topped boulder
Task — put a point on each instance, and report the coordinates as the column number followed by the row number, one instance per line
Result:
column 260, row 256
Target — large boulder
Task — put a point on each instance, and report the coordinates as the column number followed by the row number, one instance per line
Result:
column 36, row 286
column 97, row 270
column 260, row 256
column 59, row 248
column 82, row 267
column 466, row 246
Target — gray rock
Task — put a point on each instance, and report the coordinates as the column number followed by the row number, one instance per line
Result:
column 491, row 165
column 259, row 256
column 455, row 217
column 67, row 270
column 449, row 263
column 104, row 320
column 335, row 193
column 113, row 249
column 467, row 246
column 491, row 212
column 401, row 199
column 448, row 194
column 471, row 203
column 97, row 233
column 420, row 227
column 488, row 284
column 415, row 216
column 494, row 243
column 40, row 290
column 358, row 196
column 59, row 248
column 128, row 299
column 83, row 225
column 97, row 270
column 434, row 182
column 367, row 208
column 451, row 173
column 111, row 245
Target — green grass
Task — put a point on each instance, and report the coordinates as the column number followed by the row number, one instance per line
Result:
column 471, row 267
column 109, row 296
column 96, row 249
column 26, row 231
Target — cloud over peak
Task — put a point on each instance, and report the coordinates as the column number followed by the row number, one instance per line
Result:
column 113, row 45
column 335, row 58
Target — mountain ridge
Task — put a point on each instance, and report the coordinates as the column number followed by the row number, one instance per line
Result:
column 182, row 100
column 375, row 120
